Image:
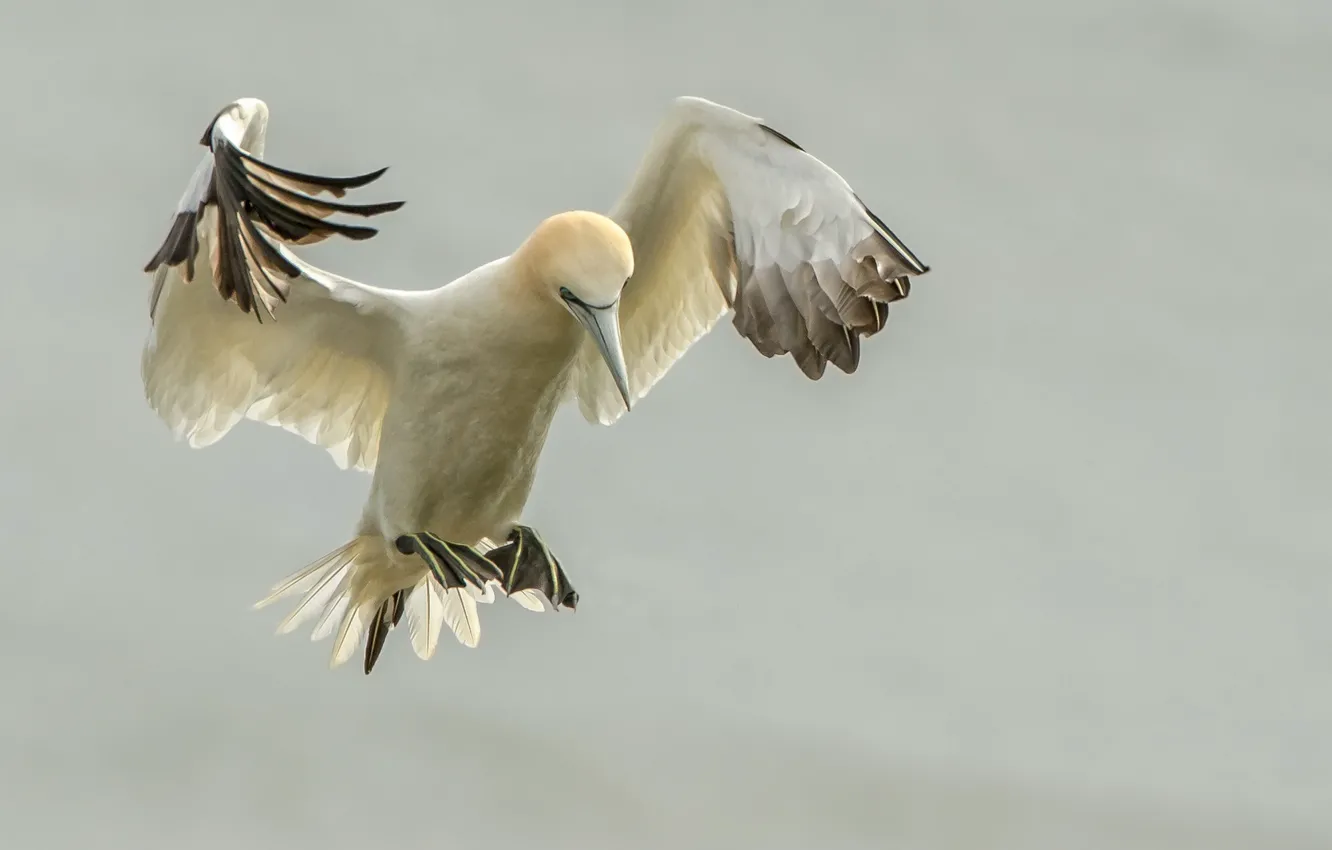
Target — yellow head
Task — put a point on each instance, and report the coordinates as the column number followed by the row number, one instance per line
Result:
column 584, row 252
column 581, row 261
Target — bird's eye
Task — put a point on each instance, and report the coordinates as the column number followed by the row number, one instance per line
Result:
column 566, row 293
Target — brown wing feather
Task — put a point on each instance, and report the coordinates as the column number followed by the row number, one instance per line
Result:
column 818, row 311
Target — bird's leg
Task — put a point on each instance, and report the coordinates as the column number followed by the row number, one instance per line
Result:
column 527, row 564
column 452, row 564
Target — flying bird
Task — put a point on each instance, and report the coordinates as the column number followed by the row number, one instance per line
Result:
column 446, row 395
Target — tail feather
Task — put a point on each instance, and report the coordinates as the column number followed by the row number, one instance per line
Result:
column 399, row 606
column 334, row 578
column 387, row 617
column 461, row 615
column 529, row 599
column 425, row 614
column 379, row 629
column 333, row 615
column 303, row 579
column 349, row 636
column 364, row 589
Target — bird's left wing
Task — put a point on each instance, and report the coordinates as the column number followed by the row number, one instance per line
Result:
column 244, row 328
column 726, row 213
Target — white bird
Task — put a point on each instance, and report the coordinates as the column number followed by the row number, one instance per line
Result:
column 447, row 395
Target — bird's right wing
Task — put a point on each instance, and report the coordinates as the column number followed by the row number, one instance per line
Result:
column 242, row 328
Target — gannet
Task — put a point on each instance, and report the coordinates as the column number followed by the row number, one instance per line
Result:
column 446, row 395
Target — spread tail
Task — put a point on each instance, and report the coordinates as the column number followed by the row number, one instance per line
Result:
column 361, row 590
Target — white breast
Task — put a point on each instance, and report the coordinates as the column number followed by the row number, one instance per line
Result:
column 475, row 393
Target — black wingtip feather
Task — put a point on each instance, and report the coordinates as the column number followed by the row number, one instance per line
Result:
column 782, row 136
column 246, row 192
column 353, row 182
column 175, row 248
column 899, row 247
column 207, row 138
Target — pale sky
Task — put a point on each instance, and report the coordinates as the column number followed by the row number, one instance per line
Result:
column 1050, row 571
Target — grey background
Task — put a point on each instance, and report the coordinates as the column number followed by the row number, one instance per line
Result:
column 1050, row 572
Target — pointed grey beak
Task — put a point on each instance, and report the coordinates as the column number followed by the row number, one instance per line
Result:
column 603, row 323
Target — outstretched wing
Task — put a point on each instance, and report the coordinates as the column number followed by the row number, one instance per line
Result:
column 320, row 364
column 726, row 213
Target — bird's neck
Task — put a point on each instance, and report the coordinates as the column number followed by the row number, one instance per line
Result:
column 496, row 315
column 526, row 300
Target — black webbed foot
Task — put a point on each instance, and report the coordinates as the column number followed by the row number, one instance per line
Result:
column 526, row 563
column 451, row 564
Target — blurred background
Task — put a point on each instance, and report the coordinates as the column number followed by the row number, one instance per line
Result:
column 1050, row 571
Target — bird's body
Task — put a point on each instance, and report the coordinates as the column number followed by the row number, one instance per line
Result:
column 447, row 395
column 470, row 373
column 455, row 385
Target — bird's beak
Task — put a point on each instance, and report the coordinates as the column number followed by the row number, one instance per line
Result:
column 603, row 323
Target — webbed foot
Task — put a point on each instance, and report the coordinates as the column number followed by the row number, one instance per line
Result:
column 526, row 563
column 452, row 564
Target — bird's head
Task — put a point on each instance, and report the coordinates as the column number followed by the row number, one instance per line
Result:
column 244, row 121
column 581, row 261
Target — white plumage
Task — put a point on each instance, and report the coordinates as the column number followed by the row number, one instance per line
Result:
column 446, row 395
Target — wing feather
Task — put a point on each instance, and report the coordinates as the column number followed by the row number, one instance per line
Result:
column 322, row 368
column 728, row 214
